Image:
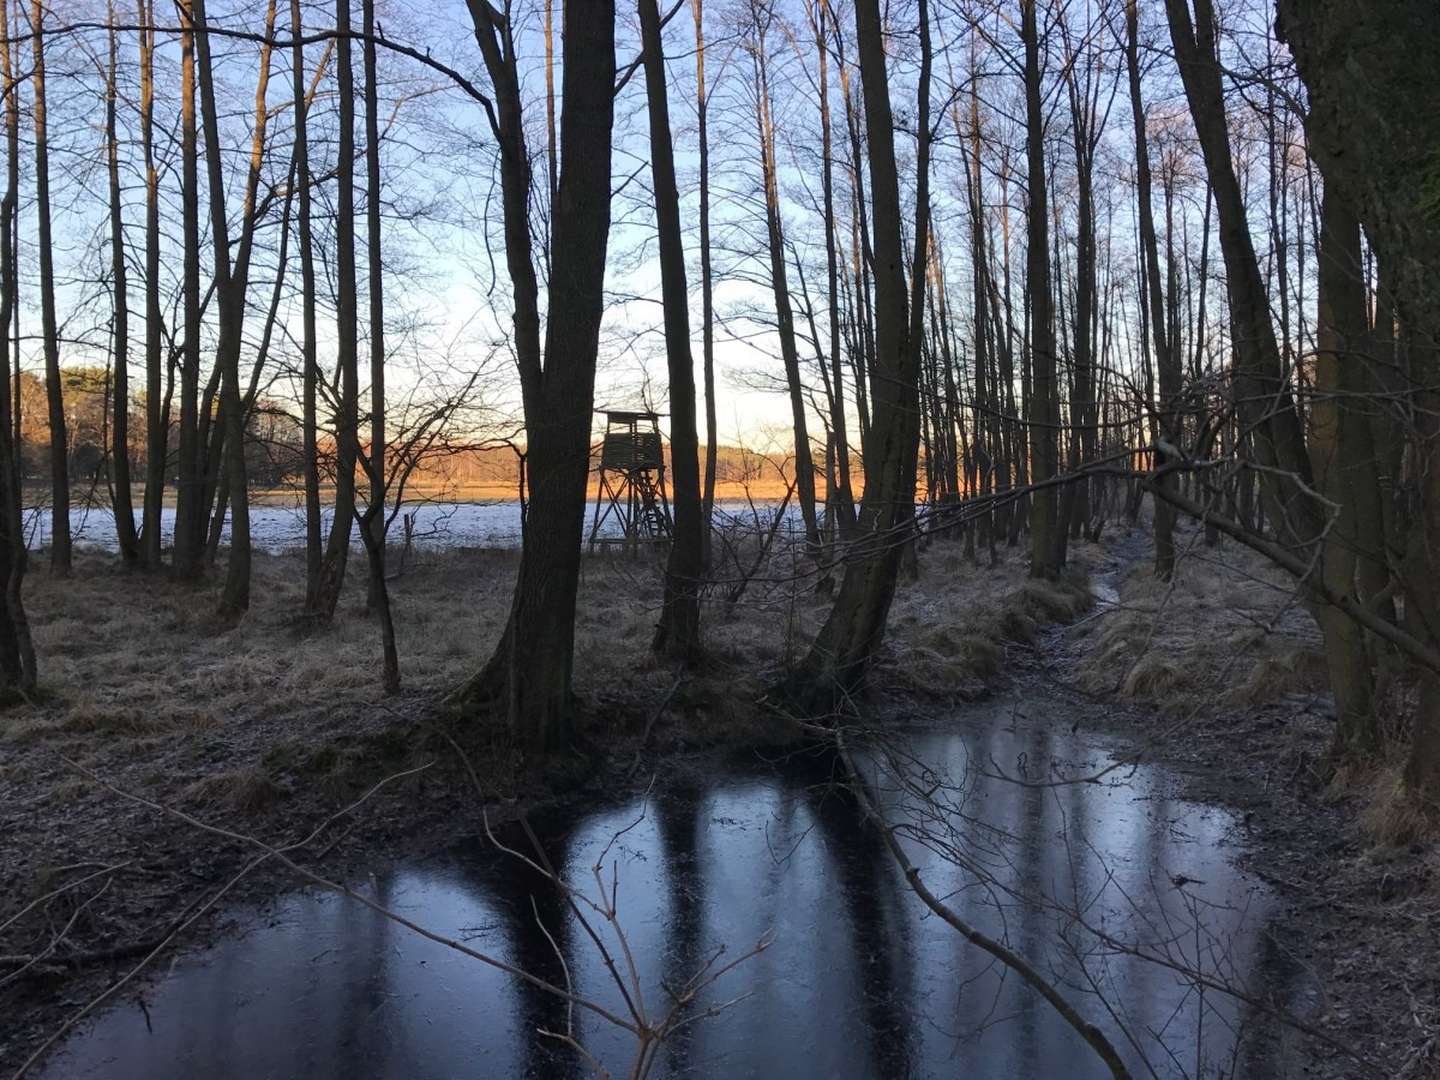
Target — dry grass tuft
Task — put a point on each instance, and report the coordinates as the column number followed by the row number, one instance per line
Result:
column 948, row 631
column 1227, row 629
column 1392, row 814
column 1155, row 677
column 1294, row 671
column 246, row 790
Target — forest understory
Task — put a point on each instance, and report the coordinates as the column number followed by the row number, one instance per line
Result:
column 256, row 728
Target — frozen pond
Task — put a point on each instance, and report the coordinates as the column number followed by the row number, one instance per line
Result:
column 860, row 980
column 277, row 529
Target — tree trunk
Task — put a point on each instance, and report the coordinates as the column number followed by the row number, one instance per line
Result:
column 678, row 634
column 852, row 633
column 310, row 375
column 1336, row 426
column 1167, row 363
column 784, row 316
column 844, row 501
column 231, row 286
column 128, row 541
column 50, row 333
column 1373, row 124
column 189, row 482
column 532, row 668
column 1043, row 414
column 372, row 524
column 17, row 653
column 156, row 427
column 347, row 421
column 707, row 287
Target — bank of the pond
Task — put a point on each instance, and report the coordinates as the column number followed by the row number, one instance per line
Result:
column 1232, row 702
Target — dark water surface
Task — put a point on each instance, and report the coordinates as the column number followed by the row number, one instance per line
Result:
column 859, row 981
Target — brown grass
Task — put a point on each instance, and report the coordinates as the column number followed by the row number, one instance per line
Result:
column 949, row 630
column 1227, row 630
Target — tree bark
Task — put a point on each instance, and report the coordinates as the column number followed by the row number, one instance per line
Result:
column 843, row 502
column 372, row 525
column 347, row 421
column 231, row 287
column 1373, row 126
column 678, row 634
column 532, row 668
column 1336, row 427
column 17, row 652
column 189, row 481
column 1043, row 414
column 50, row 334
column 156, row 425
column 1165, row 361
column 310, row 375
column 707, row 286
column 846, row 644
column 780, row 287
column 126, row 538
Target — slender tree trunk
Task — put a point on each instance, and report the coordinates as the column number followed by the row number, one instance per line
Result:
column 310, row 375
column 50, row 333
column 189, row 481
column 347, row 422
column 843, row 650
column 231, row 286
column 784, row 315
column 844, row 500
column 372, row 526
column 707, row 286
column 126, row 537
column 17, row 653
column 156, row 427
column 678, row 634
column 1042, row 415
column 1165, row 361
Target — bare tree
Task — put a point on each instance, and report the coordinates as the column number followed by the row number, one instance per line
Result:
column 531, row 670
column 50, row 332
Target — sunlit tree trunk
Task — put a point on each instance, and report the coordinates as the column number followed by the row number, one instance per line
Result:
column 347, row 421
column 120, row 423
column 372, row 525
column 17, row 653
column 156, row 426
column 189, row 481
column 846, row 644
column 49, row 329
column 844, row 498
column 779, row 282
column 678, row 632
column 707, row 286
column 531, row 671
column 310, row 374
column 231, row 287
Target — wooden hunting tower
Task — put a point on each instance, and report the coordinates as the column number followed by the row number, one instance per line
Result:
column 631, row 486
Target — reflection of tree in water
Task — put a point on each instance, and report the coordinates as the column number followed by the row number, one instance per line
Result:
column 867, row 883
column 525, row 900
column 677, row 819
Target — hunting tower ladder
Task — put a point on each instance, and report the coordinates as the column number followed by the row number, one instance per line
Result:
column 631, row 487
